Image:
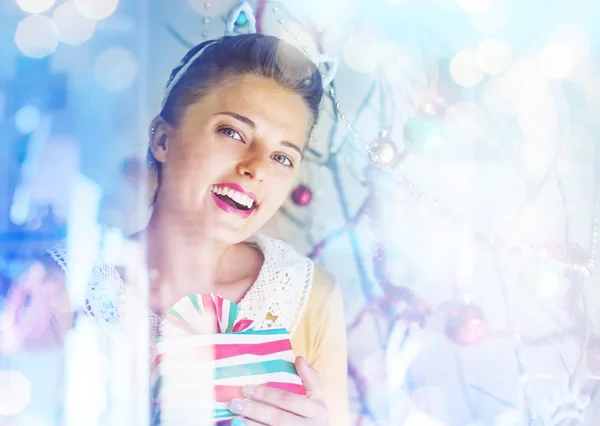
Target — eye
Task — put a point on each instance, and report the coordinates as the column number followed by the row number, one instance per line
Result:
column 231, row 133
column 282, row 159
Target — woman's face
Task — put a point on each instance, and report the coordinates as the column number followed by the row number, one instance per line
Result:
column 231, row 161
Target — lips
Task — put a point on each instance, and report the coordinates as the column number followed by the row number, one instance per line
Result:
column 233, row 198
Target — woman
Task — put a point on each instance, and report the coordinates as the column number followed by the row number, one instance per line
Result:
column 226, row 149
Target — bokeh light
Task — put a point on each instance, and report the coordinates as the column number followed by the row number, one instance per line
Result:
column 495, row 96
column 525, row 85
column 557, row 59
column 32, row 419
column 361, row 52
column 73, row 27
column 212, row 7
column 115, row 69
column 465, row 70
column 418, row 418
column 493, row 56
column 35, row 6
column 465, row 122
column 15, row 392
column 465, row 262
column 36, row 36
column 491, row 19
column 510, row 417
column 475, row 5
column 97, row 9
column 543, row 278
column 395, row 64
column 579, row 41
column 27, row 119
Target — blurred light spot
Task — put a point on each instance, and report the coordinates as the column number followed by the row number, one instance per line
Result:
column 27, row 119
column 491, row 19
column 361, row 52
column 537, row 155
column 465, row 262
column 465, row 70
column 15, row 392
column 30, row 419
column 73, row 28
column 418, row 418
column 395, row 63
column 525, row 85
column 35, row 6
column 36, row 36
column 511, row 417
column 493, row 56
column 579, row 41
column 431, row 400
column 115, row 69
column 592, row 95
column 557, row 59
column 113, row 247
column 212, row 7
column 465, row 122
column 496, row 97
column 97, row 9
column 475, row 5
column 543, row 278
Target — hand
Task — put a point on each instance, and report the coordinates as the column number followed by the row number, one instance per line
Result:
column 275, row 407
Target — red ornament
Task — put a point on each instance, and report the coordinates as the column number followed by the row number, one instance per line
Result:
column 302, row 195
column 464, row 324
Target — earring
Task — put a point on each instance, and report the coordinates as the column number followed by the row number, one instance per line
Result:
column 153, row 131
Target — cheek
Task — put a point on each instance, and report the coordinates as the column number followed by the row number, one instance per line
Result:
column 279, row 190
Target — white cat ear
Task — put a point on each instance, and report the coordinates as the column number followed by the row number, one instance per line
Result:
column 241, row 16
column 328, row 73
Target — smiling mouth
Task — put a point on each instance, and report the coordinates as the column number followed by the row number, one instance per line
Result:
column 233, row 198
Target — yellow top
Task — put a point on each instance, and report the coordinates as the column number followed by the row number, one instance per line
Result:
column 321, row 339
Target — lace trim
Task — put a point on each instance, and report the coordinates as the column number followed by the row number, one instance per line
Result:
column 105, row 293
column 276, row 300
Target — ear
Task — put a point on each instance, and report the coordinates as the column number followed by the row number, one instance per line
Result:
column 160, row 132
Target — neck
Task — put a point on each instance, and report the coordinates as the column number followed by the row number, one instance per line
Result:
column 184, row 256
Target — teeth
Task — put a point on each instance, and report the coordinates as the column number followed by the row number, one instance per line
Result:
column 236, row 196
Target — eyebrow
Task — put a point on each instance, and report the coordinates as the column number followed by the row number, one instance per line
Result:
column 252, row 124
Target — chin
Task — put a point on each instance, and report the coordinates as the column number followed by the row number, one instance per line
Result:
column 227, row 233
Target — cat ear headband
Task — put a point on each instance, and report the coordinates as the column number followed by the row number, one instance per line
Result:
column 327, row 65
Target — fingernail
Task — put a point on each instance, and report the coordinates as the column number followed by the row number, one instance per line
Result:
column 236, row 406
column 238, row 422
column 248, row 391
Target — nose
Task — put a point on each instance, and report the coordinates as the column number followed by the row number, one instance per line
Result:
column 253, row 166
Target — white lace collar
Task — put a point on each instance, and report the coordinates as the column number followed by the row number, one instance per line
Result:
column 276, row 300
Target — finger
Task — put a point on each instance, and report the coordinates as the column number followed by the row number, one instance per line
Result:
column 285, row 400
column 310, row 379
column 240, row 421
column 33, row 278
column 264, row 413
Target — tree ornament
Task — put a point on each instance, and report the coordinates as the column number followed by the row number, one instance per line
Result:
column 383, row 151
column 302, row 196
column 463, row 323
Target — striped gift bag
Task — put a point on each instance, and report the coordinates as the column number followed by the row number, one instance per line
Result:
column 205, row 355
